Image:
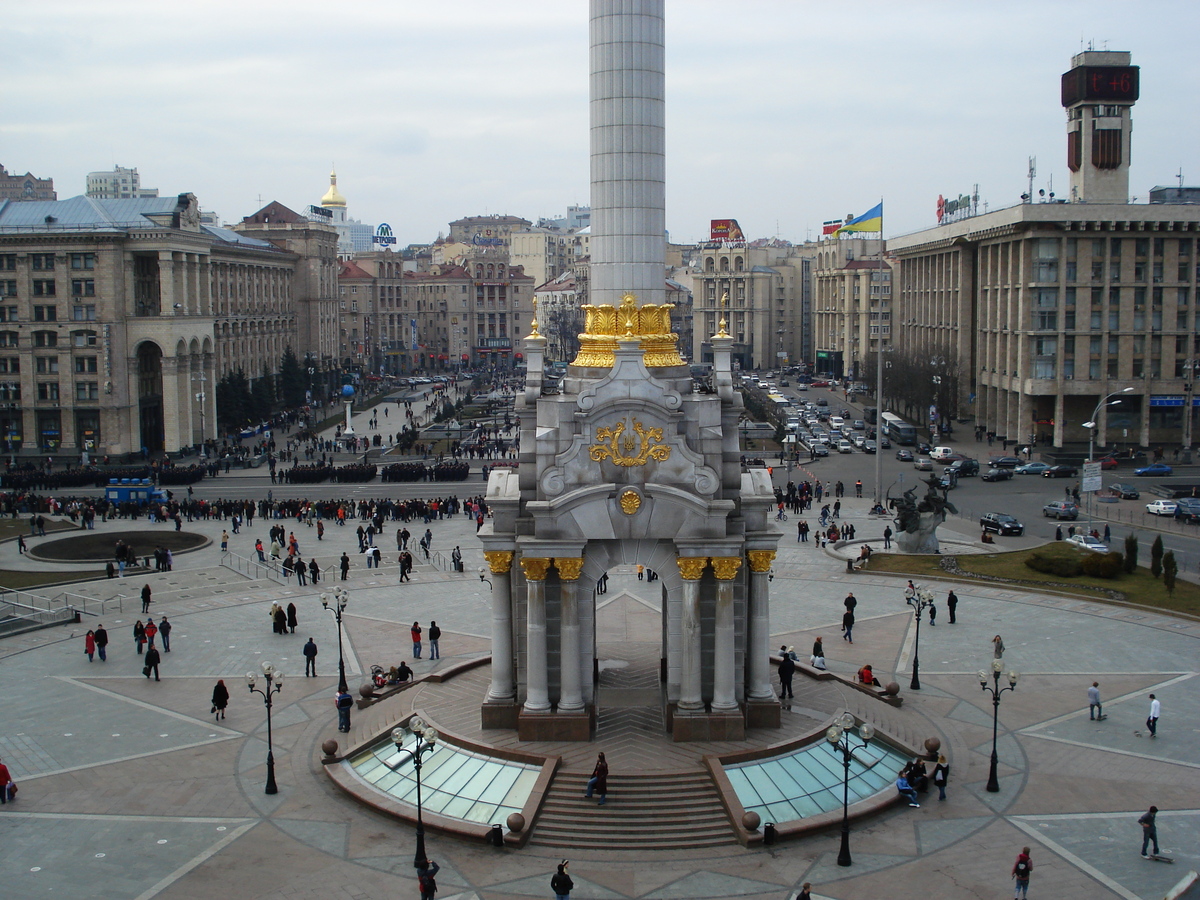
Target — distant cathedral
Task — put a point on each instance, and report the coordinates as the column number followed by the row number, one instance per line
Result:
column 353, row 235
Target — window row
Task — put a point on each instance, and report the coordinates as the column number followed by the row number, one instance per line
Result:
column 48, row 338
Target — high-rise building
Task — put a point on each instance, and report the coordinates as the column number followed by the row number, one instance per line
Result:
column 119, row 184
column 25, row 187
column 852, row 305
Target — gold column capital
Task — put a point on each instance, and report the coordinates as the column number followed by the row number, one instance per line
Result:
column 535, row 567
column 691, row 567
column 726, row 567
column 760, row 560
column 500, row 561
column 568, row 568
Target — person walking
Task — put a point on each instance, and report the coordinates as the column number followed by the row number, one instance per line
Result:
column 220, row 699
column 164, row 632
column 415, row 632
column 599, row 781
column 224, row 540
column 1149, row 831
column 344, row 702
column 998, row 647
column 561, row 882
column 151, row 632
column 139, row 635
column 145, row 599
column 851, row 602
column 301, row 572
column 952, row 605
column 280, row 620
column 805, row 891
column 1021, row 871
column 310, row 658
column 941, row 775
column 932, row 614
column 89, row 644
column 314, row 570
column 101, row 636
column 887, row 537
column 848, row 626
column 435, row 635
column 1152, row 719
column 291, row 610
column 787, row 669
column 1094, row 708
column 152, row 661
column 345, row 566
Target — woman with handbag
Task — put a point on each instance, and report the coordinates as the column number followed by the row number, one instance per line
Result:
column 139, row 635
column 220, row 700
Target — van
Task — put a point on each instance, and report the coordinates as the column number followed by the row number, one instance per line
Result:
column 837, row 422
column 940, row 453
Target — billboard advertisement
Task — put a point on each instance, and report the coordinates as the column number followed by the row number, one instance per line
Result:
column 727, row 231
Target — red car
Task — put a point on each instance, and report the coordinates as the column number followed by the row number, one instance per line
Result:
column 820, row 384
column 1108, row 462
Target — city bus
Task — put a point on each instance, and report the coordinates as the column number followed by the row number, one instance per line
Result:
column 897, row 430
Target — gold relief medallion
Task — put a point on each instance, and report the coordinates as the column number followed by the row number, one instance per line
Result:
column 630, row 502
column 629, row 449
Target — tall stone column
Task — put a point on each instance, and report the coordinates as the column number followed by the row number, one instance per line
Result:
column 691, row 696
column 724, row 698
column 758, row 646
column 502, row 689
column 571, row 696
column 537, row 692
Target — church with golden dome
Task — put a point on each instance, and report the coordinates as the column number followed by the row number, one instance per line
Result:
column 353, row 235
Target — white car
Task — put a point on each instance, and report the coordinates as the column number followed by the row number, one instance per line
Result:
column 1087, row 542
column 845, row 447
column 1162, row 507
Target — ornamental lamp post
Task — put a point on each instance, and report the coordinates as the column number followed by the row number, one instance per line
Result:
column 424, row 740
column 839, row 735
column 1091, row 426
column 341, row 597
column 274, row 683
column 993, row 784
column 920, row 601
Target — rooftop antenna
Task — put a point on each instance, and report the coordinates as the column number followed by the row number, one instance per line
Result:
column 1180, row 176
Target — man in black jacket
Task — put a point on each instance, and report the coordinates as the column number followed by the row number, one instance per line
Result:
column 786, row 669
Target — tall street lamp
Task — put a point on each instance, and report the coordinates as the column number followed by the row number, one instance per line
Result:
column 920, row 601
column 1091, row 426
column 423, row 740
column 341, row 597
column 993, row 784
column 201, row 398
column 274, row 681
column 839, row 736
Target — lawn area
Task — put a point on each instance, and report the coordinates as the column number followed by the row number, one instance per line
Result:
column 22, row 580
column 1140, row 587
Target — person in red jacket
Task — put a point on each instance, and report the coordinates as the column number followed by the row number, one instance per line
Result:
column 416, row 640
column 7, row 788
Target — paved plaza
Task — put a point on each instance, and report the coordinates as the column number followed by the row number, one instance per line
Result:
column 130, row 789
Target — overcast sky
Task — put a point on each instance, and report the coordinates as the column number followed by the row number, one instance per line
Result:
column 780, row 113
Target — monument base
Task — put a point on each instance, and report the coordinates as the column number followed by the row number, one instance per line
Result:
column 688, row 725
column 763, row 714
column 499, row 714
column 556, row 726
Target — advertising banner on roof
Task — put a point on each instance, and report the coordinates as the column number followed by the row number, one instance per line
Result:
column 383, row 235
column 727, row 231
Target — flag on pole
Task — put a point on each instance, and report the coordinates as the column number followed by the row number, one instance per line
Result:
column 871, row 220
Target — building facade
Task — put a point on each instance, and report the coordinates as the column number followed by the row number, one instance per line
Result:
column 25, row 187
column 119, row 184
column 852, row 305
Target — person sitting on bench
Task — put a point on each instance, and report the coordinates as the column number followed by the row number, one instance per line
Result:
column 866, row 675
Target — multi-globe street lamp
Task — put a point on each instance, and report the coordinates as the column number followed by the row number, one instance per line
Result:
column 839, row 735
column 993, row 784
column 921, row 600
column 341, row 597
column 1091, row 426
column 423, row 741
column 274, row 681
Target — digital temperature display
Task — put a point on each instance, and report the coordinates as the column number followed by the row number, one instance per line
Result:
column 1112, row 83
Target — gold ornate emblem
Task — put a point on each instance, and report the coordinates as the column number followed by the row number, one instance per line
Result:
column 630, row 502
column 760, row 560
column 726, row 567
column 568, row 569
column 535, row 567
column 500, row 561
column 604, row 324
column 691, row 567
column 629, row 450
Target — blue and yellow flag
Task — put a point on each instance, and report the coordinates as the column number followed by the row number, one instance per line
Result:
column 872, row 220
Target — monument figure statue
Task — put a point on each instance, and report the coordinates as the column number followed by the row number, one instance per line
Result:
column 917, row 520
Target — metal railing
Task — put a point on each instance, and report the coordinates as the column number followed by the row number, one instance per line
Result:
column 253, row 569
column 17, row 617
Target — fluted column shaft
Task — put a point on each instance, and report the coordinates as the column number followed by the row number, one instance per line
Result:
column 724, row 697
column 758, row 643
column 690, row 684
column 537, row 692
column 571, row 681
column 503, row 688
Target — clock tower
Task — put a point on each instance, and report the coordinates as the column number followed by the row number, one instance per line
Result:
column 1099, row 92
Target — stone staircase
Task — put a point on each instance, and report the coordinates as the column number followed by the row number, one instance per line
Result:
column 663, row 811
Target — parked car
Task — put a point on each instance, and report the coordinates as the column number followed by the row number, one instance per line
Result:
column 997, row 475
column 1004, row 462
column 1001, row 523
column 923, row 465
column 1032, row 468
column 904, row 455
column 1161, row 508
column 1061, row 509
column 1125, row 491
column 1087, row 542
column 1153, row 469
column 1060, row 472
column 1188, row 509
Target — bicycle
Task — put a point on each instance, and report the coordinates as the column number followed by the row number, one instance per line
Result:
column 781, row 516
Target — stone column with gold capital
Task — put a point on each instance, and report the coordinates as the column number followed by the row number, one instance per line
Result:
column 503, row 689
column 537, row 691
column 691, row 696
column 571, row 678
column 759, row 638
column 724, row 697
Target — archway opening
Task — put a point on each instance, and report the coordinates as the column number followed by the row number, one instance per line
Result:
column 150, row 397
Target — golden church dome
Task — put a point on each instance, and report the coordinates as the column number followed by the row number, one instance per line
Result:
column 332, row 196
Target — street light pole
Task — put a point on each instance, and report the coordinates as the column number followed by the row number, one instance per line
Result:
column 424, row 740
column 273, row 685
column 340, row 598
column 920, row 601
column 993, row 784
column 1091, row 426
column 202, row 397
column 839, row 736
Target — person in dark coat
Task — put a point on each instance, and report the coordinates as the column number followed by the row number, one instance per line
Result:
column 152, row 661
column 561, row 882
column 599, row 780
column 345, row 565
column 145, row 598
column 314, row 570
column 291, row 617
column 787, row 668
column 952, row 605
column 101, row 636
column 280, row 621
column 139, row 634
column 164, row 632
column 310, row 658
column 220, row 699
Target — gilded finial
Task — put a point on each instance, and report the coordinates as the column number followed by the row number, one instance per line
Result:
column 721, row 332
column 534, row 323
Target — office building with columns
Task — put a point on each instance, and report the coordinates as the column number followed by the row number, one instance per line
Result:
column 851, row 305
column 1046, row 307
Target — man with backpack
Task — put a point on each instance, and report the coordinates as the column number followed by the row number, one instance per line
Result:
column 426, row 881
column 1021, row 871
column 344, row 701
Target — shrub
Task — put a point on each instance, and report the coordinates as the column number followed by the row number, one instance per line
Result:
column 1063, row 566
column 1156, row 557
column 1169, row 570
column 1103, row 565
column 1131, row 553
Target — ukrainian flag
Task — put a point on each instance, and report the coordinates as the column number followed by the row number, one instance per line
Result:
column 872, row 220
